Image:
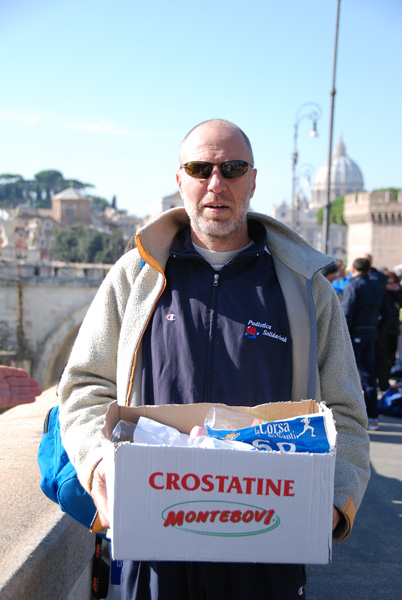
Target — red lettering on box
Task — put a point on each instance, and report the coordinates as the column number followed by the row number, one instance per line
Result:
column 288, row 487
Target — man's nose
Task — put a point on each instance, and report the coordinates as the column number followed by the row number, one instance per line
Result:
column 216, row 183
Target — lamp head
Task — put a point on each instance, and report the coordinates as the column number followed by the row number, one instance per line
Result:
column 314, row 132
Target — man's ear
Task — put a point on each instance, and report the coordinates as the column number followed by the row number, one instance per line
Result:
column 253, row 182
column 179, row 182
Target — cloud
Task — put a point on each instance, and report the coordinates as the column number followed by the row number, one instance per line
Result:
column 21, row 117
column 104, row 127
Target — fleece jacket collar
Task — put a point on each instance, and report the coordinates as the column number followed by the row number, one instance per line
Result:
column 154, row 241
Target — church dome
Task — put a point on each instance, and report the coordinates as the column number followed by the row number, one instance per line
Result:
column 346, row 177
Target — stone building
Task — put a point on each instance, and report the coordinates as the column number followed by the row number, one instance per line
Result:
column 29, row 233
column 165, row 203
column 70, row 207
column 346, row 177
column 374, row 225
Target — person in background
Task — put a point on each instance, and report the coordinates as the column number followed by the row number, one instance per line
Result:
column 330, row 272
column 392, row 329
column 170, row 323
column 364, row 303
column 16, row 387
column 379, row 277
column 342, row 279
column 376, row 275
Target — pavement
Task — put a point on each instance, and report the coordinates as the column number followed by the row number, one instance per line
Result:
column 368, row 564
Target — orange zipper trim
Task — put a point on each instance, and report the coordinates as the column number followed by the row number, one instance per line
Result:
column 150, row 260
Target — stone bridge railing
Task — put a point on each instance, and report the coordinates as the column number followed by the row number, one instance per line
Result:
column 44, row 554
column 15, row 270
column 42, row 306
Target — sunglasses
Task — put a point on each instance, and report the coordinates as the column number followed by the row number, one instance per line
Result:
column 230, row 169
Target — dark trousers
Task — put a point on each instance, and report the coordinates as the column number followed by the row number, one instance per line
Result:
column 382, row 359
column 363, row 341
column 211, row 581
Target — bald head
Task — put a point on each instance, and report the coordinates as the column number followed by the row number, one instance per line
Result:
column 367, row 256
column 220, row 130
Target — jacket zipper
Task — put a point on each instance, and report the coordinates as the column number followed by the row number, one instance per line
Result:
column 215, row 285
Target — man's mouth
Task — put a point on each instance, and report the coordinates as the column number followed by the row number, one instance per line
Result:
column 216, row 206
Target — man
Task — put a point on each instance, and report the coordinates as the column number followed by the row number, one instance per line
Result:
column 380, row 345
column 16, row 387
column 170, row 324
column 364, row 302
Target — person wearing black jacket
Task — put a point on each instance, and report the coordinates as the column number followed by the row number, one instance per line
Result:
column 394, row 295
column 364, row 303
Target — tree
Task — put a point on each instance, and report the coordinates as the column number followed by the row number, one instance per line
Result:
column 85, row 244
column 12, row 190
column 47, row 183
column 98, row 202
column 15, row 190
column 335, row 212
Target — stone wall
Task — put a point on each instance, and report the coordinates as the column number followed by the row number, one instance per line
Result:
column 374, row 225
column 44, row 554
column 41, row 309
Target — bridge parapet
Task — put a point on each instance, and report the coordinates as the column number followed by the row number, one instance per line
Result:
column 42, row 306
column 26, row 270
column 44, row 554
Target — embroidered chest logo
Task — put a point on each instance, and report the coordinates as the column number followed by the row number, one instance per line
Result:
column 171, row 317
column 254, row 328
column 251, row 332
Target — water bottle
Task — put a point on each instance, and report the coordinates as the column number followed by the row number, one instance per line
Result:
column 123, row 432
column 226, row 417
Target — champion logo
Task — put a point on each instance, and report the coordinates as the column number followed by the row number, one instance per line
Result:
column 171, row 317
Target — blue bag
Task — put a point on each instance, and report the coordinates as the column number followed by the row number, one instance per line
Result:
column 391, row 402
column 59, row 480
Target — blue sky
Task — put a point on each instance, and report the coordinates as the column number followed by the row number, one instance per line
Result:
column 104, row 91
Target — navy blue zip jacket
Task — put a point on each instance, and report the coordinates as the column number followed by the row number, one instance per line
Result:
column 364, row 301
column 213, row 333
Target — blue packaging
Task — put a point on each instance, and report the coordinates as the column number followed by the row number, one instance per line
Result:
column 299, row 434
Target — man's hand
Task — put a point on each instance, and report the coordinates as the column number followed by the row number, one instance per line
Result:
column 336, row 517
column 16, row 387
column 98, row 493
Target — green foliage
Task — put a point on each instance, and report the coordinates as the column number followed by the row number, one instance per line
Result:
column 393, row 190
column 335, row 213
column 12, row 190
column 98, row 201
column 85, row 244
column 36, row 193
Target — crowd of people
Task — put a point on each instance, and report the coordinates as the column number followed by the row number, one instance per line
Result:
column 371, row 299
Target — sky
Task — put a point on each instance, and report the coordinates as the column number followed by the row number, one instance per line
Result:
column 105, row 91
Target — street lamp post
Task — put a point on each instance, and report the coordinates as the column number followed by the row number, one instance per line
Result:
column 305, row 171
column 312, row 111
column 327, row 207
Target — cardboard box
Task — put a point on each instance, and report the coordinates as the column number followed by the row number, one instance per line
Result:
column 192, row 504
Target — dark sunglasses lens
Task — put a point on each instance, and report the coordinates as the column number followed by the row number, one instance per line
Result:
column 199, row 170
column 233, row 168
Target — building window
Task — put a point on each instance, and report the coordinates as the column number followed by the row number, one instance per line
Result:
column 69, row 212
column 42, row 242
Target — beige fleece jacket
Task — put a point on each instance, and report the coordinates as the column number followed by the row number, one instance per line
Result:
column 105, row 362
